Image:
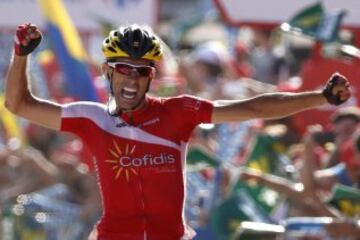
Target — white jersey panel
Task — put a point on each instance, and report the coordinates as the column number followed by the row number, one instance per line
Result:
column 97, row 113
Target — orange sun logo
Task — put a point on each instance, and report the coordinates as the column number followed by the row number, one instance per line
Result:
column 122, row 157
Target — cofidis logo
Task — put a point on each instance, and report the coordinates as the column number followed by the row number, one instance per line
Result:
column 124, row 162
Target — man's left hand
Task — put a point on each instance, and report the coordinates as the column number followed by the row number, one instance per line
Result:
column 337, row 89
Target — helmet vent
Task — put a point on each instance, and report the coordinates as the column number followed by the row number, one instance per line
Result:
column 112, row 49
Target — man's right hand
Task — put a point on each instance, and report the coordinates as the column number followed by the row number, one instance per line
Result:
column 27, row 38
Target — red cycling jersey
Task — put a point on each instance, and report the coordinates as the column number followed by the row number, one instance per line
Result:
column 140, row 164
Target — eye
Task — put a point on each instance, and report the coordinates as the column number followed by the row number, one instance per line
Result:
column 123, row 69
column 144, row 71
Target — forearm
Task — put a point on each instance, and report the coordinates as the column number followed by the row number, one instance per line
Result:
column 308, row 169
column 278, row 184
column 274, row 182
column 20, row 101
column 319, row 208
column 17, row 89
column 266, row 106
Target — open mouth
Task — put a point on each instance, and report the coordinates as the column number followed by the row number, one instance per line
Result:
column 128, row 93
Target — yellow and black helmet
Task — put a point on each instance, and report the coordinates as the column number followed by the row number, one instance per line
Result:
column 132, row 41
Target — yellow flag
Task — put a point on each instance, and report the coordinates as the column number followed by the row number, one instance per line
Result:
column 9, row 122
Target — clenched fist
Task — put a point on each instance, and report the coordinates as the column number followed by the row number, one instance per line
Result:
column 337, row 89
column 27, row 38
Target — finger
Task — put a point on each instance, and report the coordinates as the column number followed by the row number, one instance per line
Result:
column 342, row 87
column 24, row 42
column 34, row 35
column 345, row 95
column 33, row 30
column 341, row 80
column 338, row 75
column 337, row 88
column 342, row 94
column 337, row 78
column 21, row 34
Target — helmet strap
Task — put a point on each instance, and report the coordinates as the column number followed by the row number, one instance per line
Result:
column 109, row 76
column 110, row 109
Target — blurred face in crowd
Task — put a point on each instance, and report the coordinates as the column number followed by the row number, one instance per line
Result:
column 130, row 79
column 344, row 128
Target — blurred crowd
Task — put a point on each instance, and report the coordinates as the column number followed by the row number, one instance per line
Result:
column 259, row 171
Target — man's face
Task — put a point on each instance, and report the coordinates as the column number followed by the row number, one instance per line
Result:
column 130, row 80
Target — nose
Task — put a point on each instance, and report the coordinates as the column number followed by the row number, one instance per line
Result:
column 134, row 73
column 133, row 78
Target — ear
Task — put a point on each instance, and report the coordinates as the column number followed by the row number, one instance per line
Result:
column 152, row 75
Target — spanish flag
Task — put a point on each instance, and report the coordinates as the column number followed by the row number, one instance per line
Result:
column 69, row 50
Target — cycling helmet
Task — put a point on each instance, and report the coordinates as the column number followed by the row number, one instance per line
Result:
column 132, row 41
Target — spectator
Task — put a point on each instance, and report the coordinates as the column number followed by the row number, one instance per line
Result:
column 344, row 121
column 262, row 57
column 241, row 64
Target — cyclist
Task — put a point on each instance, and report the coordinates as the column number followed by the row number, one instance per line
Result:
column 138, row 141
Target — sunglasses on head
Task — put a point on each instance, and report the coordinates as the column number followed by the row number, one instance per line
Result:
column 129, row 69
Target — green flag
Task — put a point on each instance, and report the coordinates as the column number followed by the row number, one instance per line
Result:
column 198, row 157
column 346, row 199
column 251, row 202
column 265, row 156
column 315, row 22
column 307, row 20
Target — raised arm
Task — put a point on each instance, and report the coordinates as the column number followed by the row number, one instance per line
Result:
column 277, row 105
column 18, row 96
column 295, row 192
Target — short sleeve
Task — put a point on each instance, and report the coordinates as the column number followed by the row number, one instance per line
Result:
column 186, row 112
column 77, row 117
column 199, row 110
